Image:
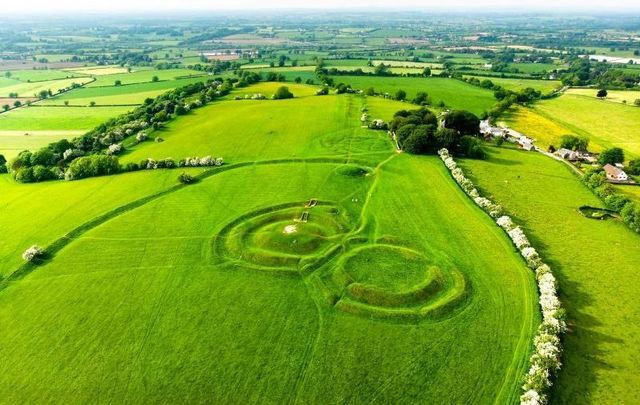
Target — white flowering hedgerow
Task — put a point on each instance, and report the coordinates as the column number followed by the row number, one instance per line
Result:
column 545, row 360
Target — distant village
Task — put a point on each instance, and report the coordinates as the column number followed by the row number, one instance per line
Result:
column 615, row 173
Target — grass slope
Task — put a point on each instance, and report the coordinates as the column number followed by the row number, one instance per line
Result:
column 37, row 118
column 267, row 129
column 596, row 264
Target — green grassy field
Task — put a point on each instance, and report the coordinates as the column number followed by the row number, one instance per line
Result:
column 268, row 89
column 454, row 93
column 14, row 142
column 214, row 291
column 606, row 124
column 545, row 86
column 25, row 89
column 41, row 75
column 596, row 265
column 616, row 96
column 36, row 118
column 114, row 95
column 143, row 76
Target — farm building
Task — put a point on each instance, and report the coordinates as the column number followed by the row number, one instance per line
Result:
column 568, row 154
column 615, row 174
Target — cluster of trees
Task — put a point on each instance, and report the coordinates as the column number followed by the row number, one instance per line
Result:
column 573, row 142
column 418, row 132
column 506, row 98
column 582, row 72
column 596, row 180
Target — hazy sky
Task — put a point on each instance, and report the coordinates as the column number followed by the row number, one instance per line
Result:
column 426, row 5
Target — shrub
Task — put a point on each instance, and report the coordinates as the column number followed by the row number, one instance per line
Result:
column 282, row 93
column 186, row 178
column 32, row 253
column 611, row 156
column 90, row 166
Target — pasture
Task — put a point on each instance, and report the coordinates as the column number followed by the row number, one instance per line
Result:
column 118, row 95
column 615, row 96
column 15, row 141
column 26, row 89
column 594, row 261
column 455, row 94
column 265, row 265
column 143, row 76
column 41, row 118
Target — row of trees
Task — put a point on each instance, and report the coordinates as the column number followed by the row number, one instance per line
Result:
column 53, row 160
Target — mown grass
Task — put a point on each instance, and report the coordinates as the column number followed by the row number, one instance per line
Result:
column 606, row 124
column 596, row 264
column 454, row 93
column 150, row 309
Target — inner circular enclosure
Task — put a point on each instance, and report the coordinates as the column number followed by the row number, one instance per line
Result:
column 388, row 267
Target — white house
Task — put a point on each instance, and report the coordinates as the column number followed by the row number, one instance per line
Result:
column 615, row 174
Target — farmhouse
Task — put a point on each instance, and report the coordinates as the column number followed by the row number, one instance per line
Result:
column 615, row 174
column 568, row 154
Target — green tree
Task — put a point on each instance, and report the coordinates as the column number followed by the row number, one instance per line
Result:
column 611, row 156
column 6, row 107
column 118, row 83
column 401, row 95
column 637, row 102
column 426, row 72
column 155, row 79
column 602, row 93
column 574, row 142
column 282, row 93
column 421, row 98
column 464, row 122
column 370, row 91
column 298, row 79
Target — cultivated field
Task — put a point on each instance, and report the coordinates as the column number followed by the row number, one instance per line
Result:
column 596, row 264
